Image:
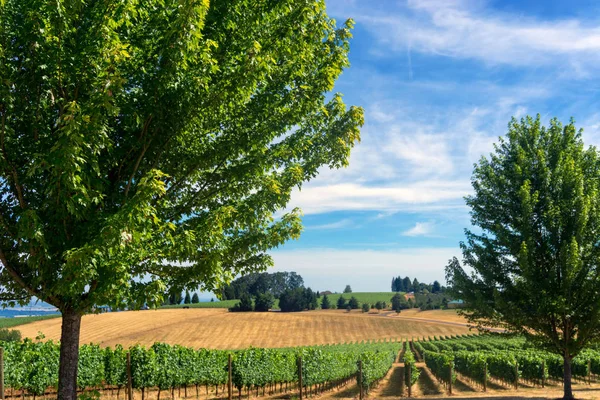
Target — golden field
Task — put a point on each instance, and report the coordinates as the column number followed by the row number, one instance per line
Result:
column 219, row 329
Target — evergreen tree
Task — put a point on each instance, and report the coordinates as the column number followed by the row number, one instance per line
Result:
column 196, row 299
column 436, row 287
column 325, row 305
column 416, row 286
column 353, row 303
column 407, row 285
column 341, row 303
column 366, row 307
column 188, row 298
column 347, row 289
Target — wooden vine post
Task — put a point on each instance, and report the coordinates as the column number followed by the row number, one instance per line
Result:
column 300, row 375
column 589, row 371
column 409, row 384
column 484, row 377
column 402, row 381
column 129, row 380
column 451, row 371
column 516, row 375
column 543, row 373
column 360, row 380
column 229, row 379
column 2, row 373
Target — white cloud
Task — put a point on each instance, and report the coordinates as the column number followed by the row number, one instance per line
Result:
column 420, row 229
column 343, row 223
column 407, row 196
column 462, row 29
column 364, row 270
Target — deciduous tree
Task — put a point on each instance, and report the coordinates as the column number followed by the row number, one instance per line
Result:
column 146, row 145
column 534, row 257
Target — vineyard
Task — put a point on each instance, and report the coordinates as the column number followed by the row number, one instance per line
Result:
column 32, row 368
column 173, row 371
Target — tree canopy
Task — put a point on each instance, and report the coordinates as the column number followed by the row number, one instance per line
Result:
column 146, row 145
column 534, row 257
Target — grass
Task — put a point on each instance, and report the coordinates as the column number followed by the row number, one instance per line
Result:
column 12, row 322
column 363, row 297
column 217, row 328
column 206, row 304
column 368, row 297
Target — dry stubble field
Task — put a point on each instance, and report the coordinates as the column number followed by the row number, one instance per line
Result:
column 219, row 329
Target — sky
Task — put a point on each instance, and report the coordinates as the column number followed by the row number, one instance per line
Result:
column 439, row 81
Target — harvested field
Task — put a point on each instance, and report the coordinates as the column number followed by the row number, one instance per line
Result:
column 217, row 328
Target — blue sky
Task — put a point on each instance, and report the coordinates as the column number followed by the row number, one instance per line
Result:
column 439, row 81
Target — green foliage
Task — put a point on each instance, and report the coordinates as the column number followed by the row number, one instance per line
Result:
column 534, row 256
column 536, row 202
column 115, row 366
column 207, row 304
column 399, row 302
column 196, row 299
column 257, row 283
column 366, row 307
column 325, row 304
column 141, row 135
column 298, row 299
column 347, row 289
column 440, row 365
column 244, row 305
column 264, row 302
column 353, row 303
column 341, row 303
column 410, row 364
column 11, row 322
column 188, row 298
column 91, row 366
column 11, row 335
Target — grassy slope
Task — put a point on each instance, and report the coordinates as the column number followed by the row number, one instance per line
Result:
column 11, row 322
column 369, row 297
column 362, row 297
column 206, row 304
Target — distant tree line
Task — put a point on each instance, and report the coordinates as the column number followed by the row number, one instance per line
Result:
column 400, row 284
column 175, row 298
column 260, row 283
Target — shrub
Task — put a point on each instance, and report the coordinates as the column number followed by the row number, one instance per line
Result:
column 244, row 305
column 12, row 335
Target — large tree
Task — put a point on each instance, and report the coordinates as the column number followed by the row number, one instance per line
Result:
column 146, row 145
column 533, row 261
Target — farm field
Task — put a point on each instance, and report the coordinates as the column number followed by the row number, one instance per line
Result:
column 219, row 329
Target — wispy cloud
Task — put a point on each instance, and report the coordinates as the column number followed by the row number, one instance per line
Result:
column 462, row 30
column 341, row 224
column 420, row 229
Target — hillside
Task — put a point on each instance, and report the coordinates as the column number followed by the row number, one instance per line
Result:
column 216, row 328
column 362, row 297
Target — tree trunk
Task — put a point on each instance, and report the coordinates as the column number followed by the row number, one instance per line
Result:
column 69, row 355
column 568, row 392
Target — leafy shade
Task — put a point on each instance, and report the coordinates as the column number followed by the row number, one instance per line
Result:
column 148, row 144
column 534, row 258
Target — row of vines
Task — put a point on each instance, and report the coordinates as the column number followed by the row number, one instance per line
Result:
column 33, row 366
column 506, row 360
